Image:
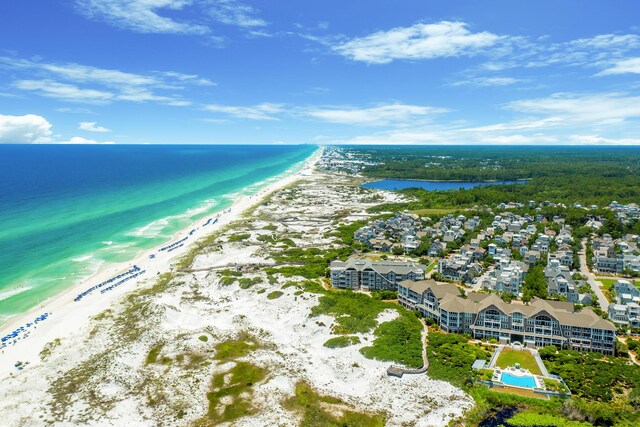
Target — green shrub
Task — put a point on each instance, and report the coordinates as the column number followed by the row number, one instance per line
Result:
column 342, row 341
column 227, row 281
column 274, row 294
column 152, row 357
column 318, row 410
column 398, row 340
column 239, row 237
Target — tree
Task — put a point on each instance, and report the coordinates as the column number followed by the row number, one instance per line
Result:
column 535, row 284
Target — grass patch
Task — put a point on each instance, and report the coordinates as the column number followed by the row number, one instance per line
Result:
column 325, row 411
column 239, row 237
column 201, row 245
column 203, row 338
column 431, row 266
column 274, row 294
column 246, row 283
column 240, row 347
column 451, row 357
column 229, row 272
column 288, row 242
column 398, row 340
column 554, row 385
column 270, row 227
column 267, row 238
column 510, row 357
column 342, row 341
column 261, row 291
column 531, row 418
column 354, row 313
column 608, row 283
column 48, row 349
column 608, row 288
column 79, row 383
column 307, row 271
column 152, row 357
column 235, row 387
column 227, row 281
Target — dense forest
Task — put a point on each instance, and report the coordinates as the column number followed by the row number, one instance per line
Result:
column 587, row 175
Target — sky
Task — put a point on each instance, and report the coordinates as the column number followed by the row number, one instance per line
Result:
column 326, row 72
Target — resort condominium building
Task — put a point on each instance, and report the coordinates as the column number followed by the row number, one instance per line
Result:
column 539, row 324
column 373, row 275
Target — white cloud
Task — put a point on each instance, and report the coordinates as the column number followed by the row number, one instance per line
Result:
column 607, row 41
column 83, row 73
column 596, row 108
column 593, row 52
column 487, row 81
column 232, row 12
column 27, row 129
column 264, row 111
column 87, row 84
column 153, row 16
column 516, row 125
column 419, row 41
column 78, row 140
column 63, row 91
column 92, row 127
column 75, row 110
column 516, row 139
column 600, row 140
column 624, row 66
column 454, row 137
column 142, row 16
column 188, row 78
column 396, row 138
column 381, row 115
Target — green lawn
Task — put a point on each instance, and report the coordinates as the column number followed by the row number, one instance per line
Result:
column 607, row 287
column 608, row 283
column 524, row 358
column 433, row 265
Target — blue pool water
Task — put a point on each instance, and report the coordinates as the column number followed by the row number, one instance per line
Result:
column 526, row 381
column 401, row 184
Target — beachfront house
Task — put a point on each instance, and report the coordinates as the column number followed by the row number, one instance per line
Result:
column 484, row 316
column 366, row 274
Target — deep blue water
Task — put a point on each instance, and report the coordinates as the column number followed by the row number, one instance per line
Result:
column 66, row 210
column 401, row 184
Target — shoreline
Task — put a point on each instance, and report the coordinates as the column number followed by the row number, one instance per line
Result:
column 69, row 316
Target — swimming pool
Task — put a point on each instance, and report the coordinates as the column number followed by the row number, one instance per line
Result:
column 526, row 381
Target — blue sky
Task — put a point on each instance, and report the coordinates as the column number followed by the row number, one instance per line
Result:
column 323, row 72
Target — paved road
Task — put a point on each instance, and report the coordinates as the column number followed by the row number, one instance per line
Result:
column 584, row 270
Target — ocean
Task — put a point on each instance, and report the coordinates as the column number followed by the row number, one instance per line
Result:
column 66, row 211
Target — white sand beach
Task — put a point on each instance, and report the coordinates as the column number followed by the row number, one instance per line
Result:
column 66, row 315
column 144, row 354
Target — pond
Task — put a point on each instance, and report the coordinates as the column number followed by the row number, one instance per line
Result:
column 400, row 184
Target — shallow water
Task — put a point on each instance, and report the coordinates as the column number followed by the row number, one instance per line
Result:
column 66, row 211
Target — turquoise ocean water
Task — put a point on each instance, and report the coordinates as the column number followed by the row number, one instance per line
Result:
column 66, row 211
